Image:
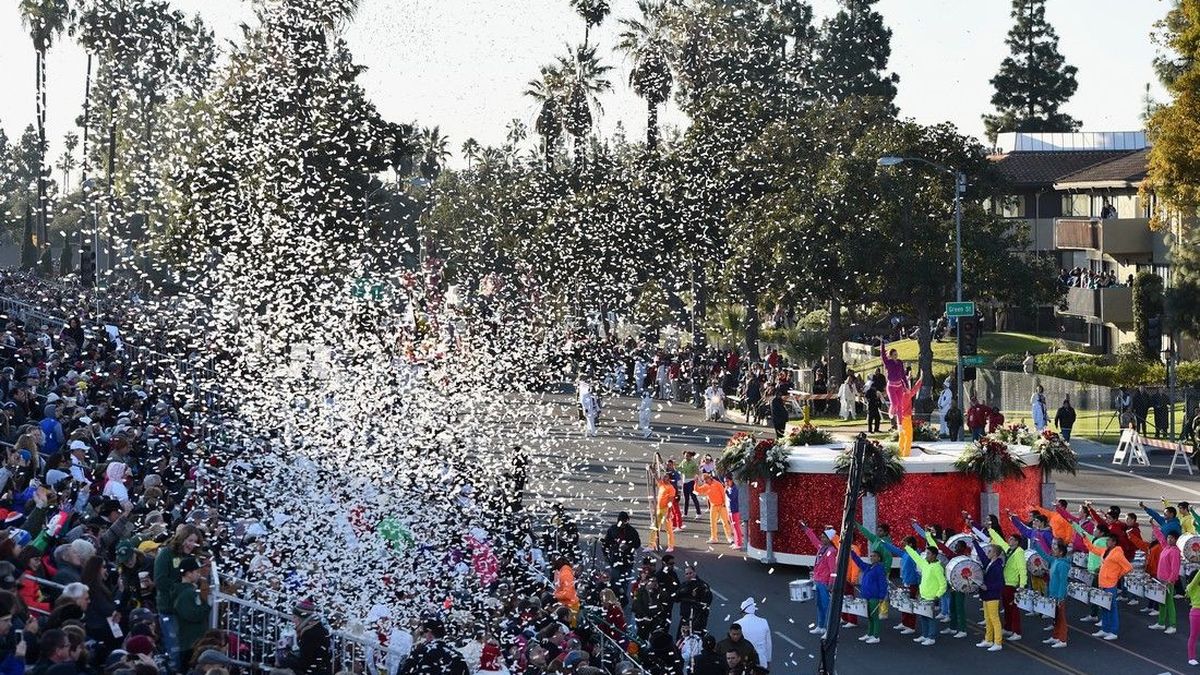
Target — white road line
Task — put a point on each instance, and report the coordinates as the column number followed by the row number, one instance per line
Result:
column 1145, row 478
column 789, row 640
column 718, row 594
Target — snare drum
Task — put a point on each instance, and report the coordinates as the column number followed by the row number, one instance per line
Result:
column 964, row 574
column 953, row 541
column 1036, row 564
column 1189, row 545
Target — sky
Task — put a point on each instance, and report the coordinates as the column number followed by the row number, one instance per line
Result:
column 462, row 64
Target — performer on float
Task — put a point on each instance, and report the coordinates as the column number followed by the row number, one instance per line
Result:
column 904, row 416
column 1037, row 404
column 897, row 383
column 943, row 405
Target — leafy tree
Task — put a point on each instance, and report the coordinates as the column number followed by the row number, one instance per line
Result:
column 1147, row 304
column 852, row 55
column 645, row 40
column 1174, row 167
column 1035, row 81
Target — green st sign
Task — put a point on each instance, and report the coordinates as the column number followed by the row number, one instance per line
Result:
column 960, row 309
column 973, row 361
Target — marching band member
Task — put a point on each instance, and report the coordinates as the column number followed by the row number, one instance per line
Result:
column 1060, row 568
column 1113, row 567
column 932, row 588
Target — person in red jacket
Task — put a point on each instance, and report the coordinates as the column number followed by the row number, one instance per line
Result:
column 995, row 419
column 977, row 417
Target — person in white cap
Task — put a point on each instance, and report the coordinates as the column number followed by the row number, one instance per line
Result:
column 757, row 632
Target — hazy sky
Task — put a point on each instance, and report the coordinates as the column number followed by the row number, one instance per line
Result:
column 463, row 64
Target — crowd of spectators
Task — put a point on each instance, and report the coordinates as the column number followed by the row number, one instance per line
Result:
column 1079, row 277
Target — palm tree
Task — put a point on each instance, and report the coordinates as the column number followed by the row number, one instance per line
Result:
column 593, row 12
column 67, row 162
column 548, row 93
column 436, row 151
column 645, row 40
column 586, row 78
column 470, row 151
column 45, row 20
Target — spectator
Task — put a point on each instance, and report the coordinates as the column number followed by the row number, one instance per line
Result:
column 1064, row 419
column 432, row 657
column 954, row 420
column 191, row 606
column 708, row 661
column 735, row 641
column 312, row 655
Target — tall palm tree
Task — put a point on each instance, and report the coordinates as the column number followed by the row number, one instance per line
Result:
column 45, row 20
column 645, row 39
column 470, row 151
column 586, row 78
column 436, row 151
column 548, row 93
column 593, row 12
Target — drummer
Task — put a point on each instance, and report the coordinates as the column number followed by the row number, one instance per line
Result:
column 1060, row 569
column 990, row 593
column 959, row 586
column 874, row 588
column 1016, row 575
column 1040, row 532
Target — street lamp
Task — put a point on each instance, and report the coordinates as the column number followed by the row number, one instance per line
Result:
column 960, row 186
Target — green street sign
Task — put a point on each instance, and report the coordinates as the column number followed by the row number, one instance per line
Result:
column 973, row 361
column 363, row 288
column 960, row 309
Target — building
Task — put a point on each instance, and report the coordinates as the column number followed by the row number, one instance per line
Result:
column 1078, row 195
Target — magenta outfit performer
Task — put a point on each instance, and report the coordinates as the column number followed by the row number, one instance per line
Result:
column 897, row 386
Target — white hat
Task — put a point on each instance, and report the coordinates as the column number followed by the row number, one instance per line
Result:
column 79, row 445
column 749, row 606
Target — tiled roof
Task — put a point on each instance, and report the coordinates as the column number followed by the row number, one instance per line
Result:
column 1130, row 170
column 1033, row 169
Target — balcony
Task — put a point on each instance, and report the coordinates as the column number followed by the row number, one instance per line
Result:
column 1104, row 305
column 1115, row 236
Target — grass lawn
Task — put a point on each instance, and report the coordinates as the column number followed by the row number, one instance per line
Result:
column 991, row 345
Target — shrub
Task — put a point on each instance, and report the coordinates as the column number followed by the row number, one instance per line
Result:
column 1012, row 363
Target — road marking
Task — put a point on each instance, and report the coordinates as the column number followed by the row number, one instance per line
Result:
column 1145, row 478
column 789, row 640
column 1114, row 645
column 718, row 594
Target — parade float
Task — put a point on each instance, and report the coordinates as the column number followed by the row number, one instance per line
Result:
column 789, row 481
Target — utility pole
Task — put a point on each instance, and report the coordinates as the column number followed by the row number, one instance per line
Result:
column 826, row 664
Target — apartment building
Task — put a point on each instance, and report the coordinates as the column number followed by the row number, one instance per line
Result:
column 1078, row 194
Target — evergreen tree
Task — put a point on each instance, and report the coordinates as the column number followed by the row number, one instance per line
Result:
column 1035, row 81
column 852, row 56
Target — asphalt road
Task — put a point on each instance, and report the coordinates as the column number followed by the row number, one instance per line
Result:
column 606, row 474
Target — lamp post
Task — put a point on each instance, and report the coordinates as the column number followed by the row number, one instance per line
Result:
column 960, row 186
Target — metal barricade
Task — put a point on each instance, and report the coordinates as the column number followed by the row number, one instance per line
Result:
column 263, row 630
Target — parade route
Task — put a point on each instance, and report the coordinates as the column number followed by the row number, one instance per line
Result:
column 608, row 476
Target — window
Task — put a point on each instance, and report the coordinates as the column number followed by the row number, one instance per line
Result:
column 1012, row 206
column 1128, row 206
column 1077, row 206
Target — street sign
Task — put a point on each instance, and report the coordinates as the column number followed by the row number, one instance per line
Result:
column 974, row 360
column 959, row 309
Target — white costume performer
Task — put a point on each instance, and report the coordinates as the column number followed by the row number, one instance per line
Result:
column 756, row 631
column 846, row 396
column 943, row 405
column 591, row 408
column 639, row 374
column 714, row 403
column 644, row 414
column 1038, row 405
